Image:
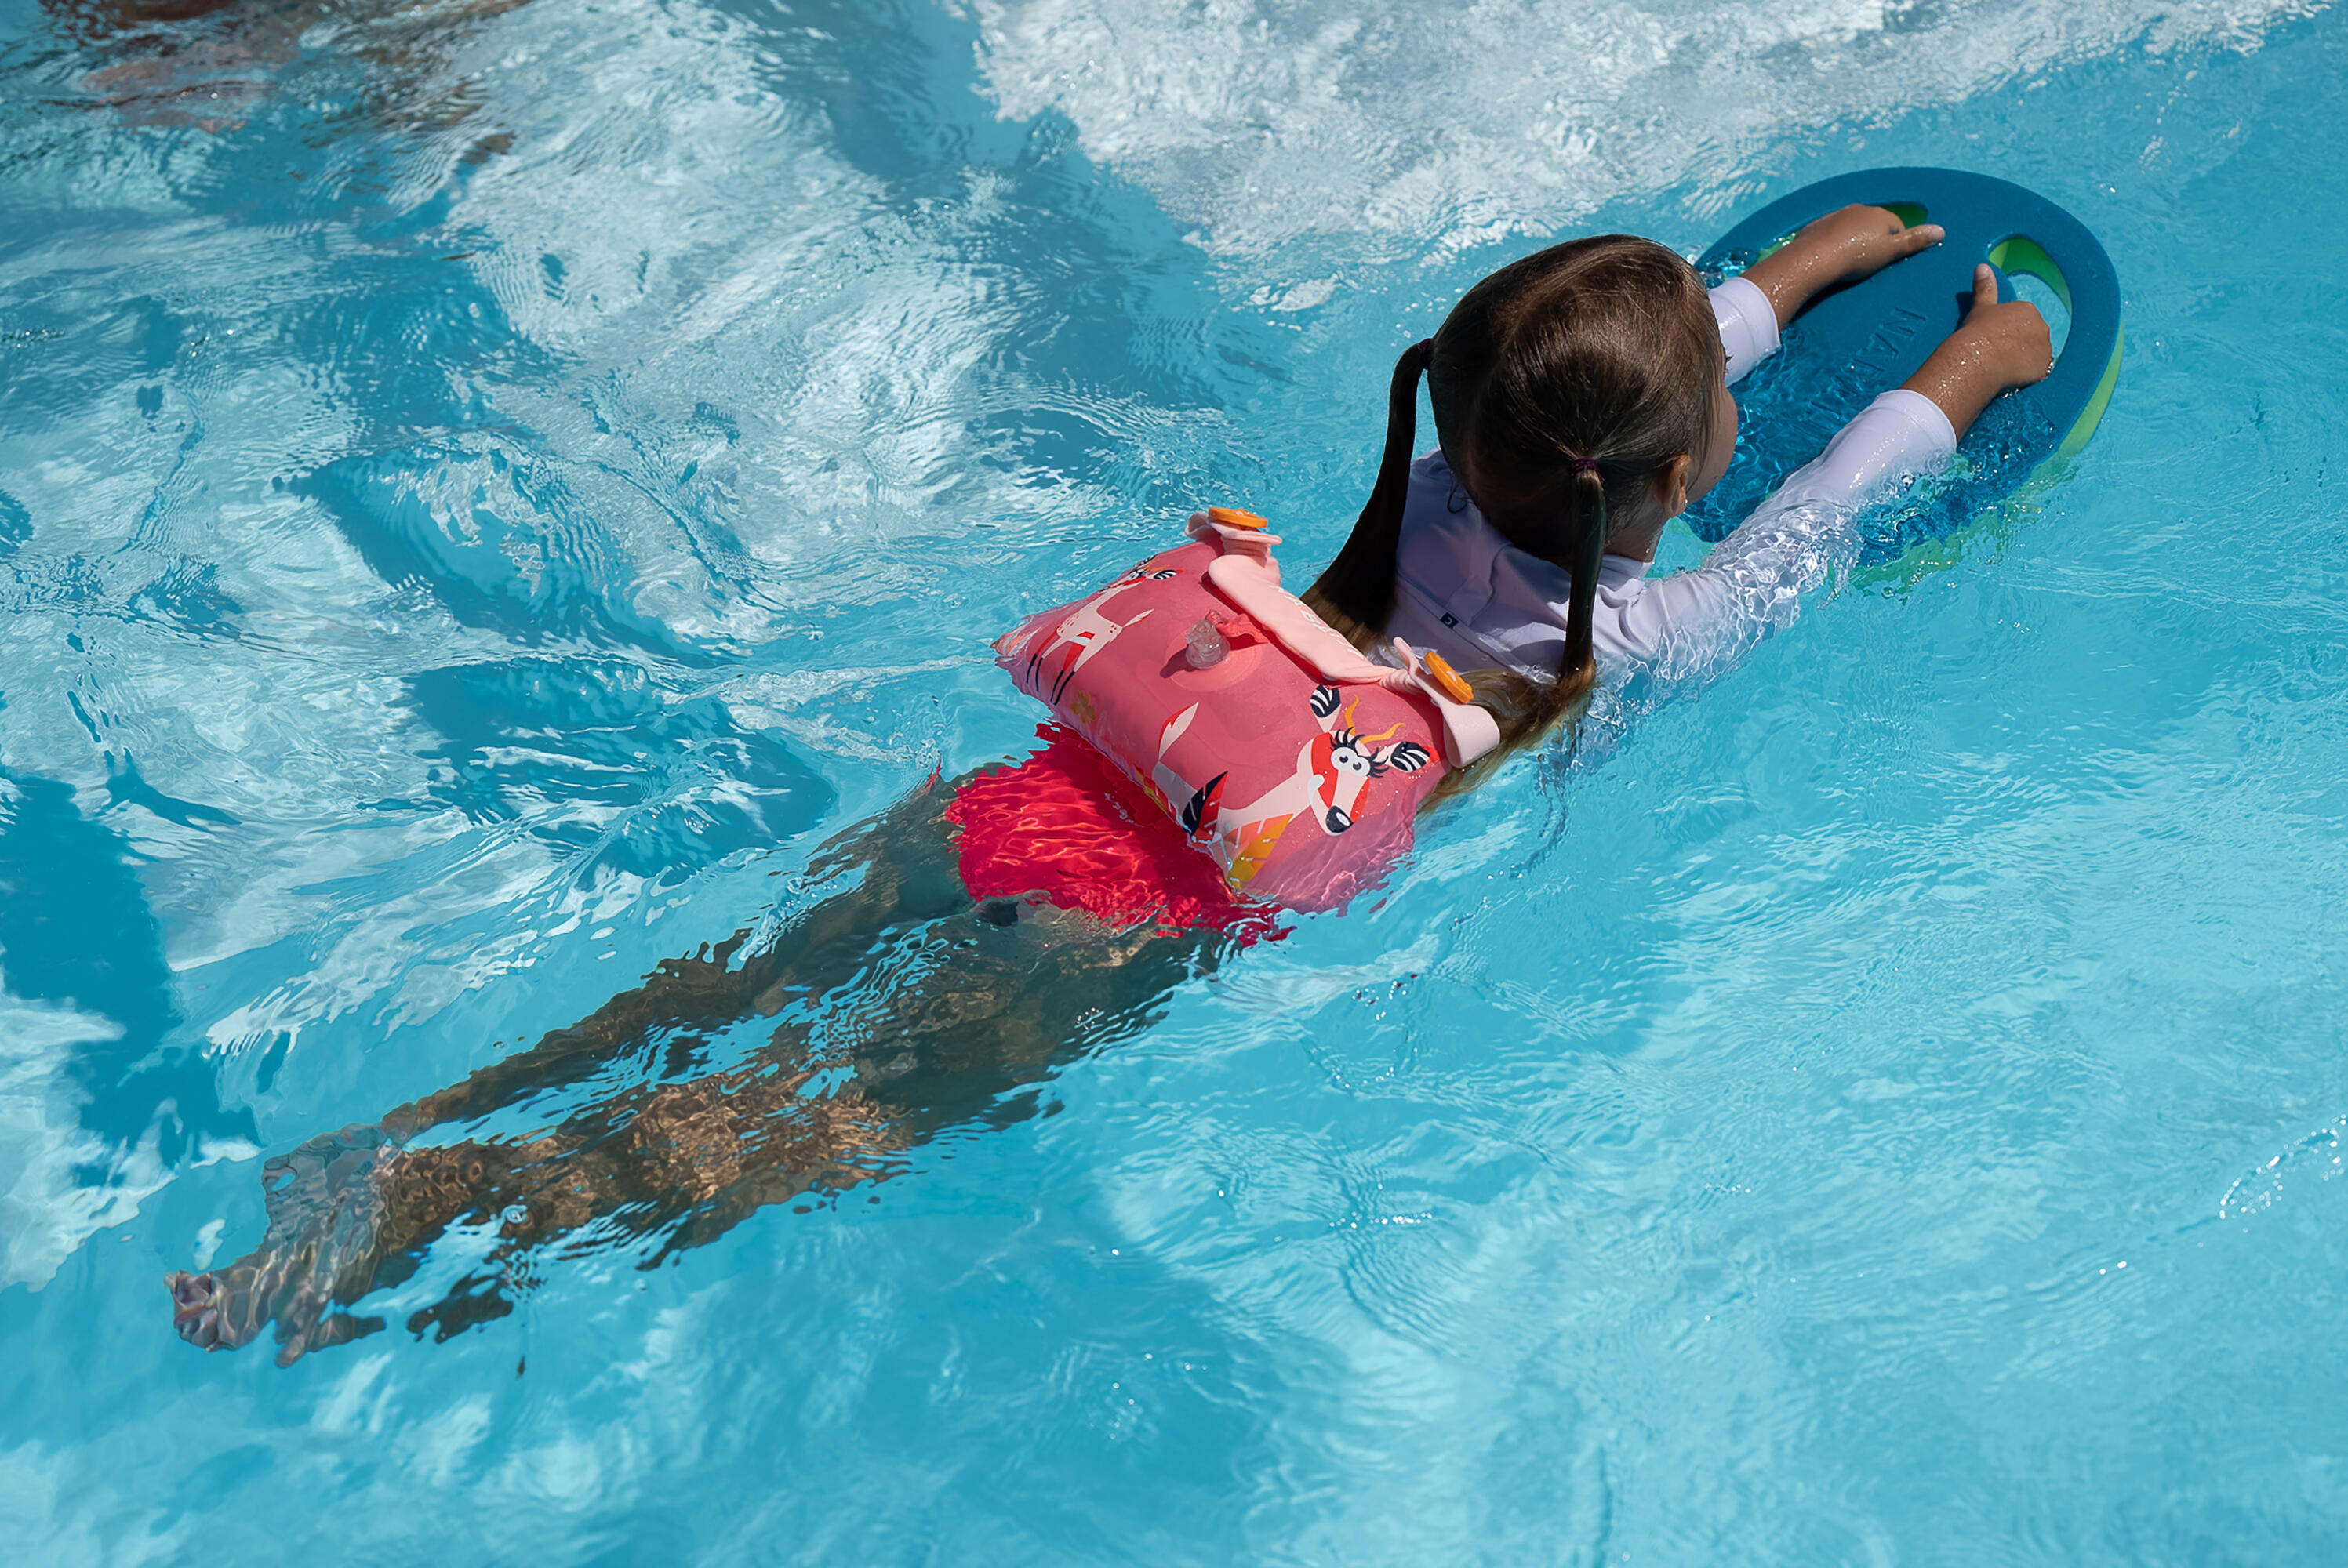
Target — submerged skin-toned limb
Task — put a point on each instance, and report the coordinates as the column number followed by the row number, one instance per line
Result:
column 902, row 1008
column 210, row 63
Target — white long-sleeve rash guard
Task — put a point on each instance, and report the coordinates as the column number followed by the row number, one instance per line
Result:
column 1471, row 596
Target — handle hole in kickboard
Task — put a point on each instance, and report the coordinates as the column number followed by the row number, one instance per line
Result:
column 2037, row 278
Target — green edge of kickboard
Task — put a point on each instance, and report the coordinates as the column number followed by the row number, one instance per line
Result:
column 2093, row 414
column 2020, row 253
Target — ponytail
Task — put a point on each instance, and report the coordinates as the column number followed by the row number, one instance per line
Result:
column 1576, row 667
column 1527, row 707
column 1355, row 594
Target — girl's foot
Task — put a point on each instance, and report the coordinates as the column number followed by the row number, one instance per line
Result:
column 324, row 1247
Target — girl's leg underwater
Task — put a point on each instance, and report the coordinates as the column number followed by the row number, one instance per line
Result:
column 904, row 1008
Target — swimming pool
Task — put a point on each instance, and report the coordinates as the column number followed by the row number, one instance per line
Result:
column 486, row 490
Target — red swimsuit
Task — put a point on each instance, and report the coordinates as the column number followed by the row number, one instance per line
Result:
column 1066, row 825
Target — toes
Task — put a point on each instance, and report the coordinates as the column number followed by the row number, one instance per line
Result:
column 195, row 1308
column 218, row 1309
column 324, row 1214
column 188, row 1290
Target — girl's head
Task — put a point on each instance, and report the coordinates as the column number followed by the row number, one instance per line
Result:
column 1578, row 398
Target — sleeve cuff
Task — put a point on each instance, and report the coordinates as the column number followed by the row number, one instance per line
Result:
column 1931, row 424
column 1748, row 325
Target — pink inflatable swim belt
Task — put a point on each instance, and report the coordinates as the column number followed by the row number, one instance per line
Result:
column 1284, row 755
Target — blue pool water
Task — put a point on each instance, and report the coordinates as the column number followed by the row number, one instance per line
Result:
column 487, row 490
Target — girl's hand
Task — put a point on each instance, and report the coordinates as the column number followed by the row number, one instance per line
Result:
column 2011, row 337
column 1997, row 346
column 1843, row 246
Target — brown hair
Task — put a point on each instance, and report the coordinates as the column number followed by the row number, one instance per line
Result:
column 1567, row 378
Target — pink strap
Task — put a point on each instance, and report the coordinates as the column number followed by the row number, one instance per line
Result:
column 1469, row 730
column 1248, row 578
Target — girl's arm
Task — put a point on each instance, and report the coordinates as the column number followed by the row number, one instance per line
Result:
column 1997, row 346
column 1842, row 247
column 1748, row 327
column 1695, row 622
column 1692, row 625
column 1753, row 308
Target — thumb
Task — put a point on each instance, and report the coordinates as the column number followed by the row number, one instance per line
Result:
column 1984, row 285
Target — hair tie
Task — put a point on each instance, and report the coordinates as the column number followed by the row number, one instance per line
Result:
column 1581, row 464
column 1425, row 349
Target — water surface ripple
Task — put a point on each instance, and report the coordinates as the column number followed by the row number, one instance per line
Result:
column 488, row 489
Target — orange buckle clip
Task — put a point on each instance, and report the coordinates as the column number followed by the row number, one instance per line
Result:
column 1440, row 671
column 1232, row 517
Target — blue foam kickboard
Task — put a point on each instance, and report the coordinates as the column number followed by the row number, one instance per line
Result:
column 1859, row 339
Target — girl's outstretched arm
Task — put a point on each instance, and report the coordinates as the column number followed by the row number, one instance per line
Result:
column 1694, row 624
column 1844, row 246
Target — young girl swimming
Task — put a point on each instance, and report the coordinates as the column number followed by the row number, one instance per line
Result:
column 1580, row 402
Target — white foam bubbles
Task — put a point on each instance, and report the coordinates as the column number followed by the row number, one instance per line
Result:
column 1266, row 123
